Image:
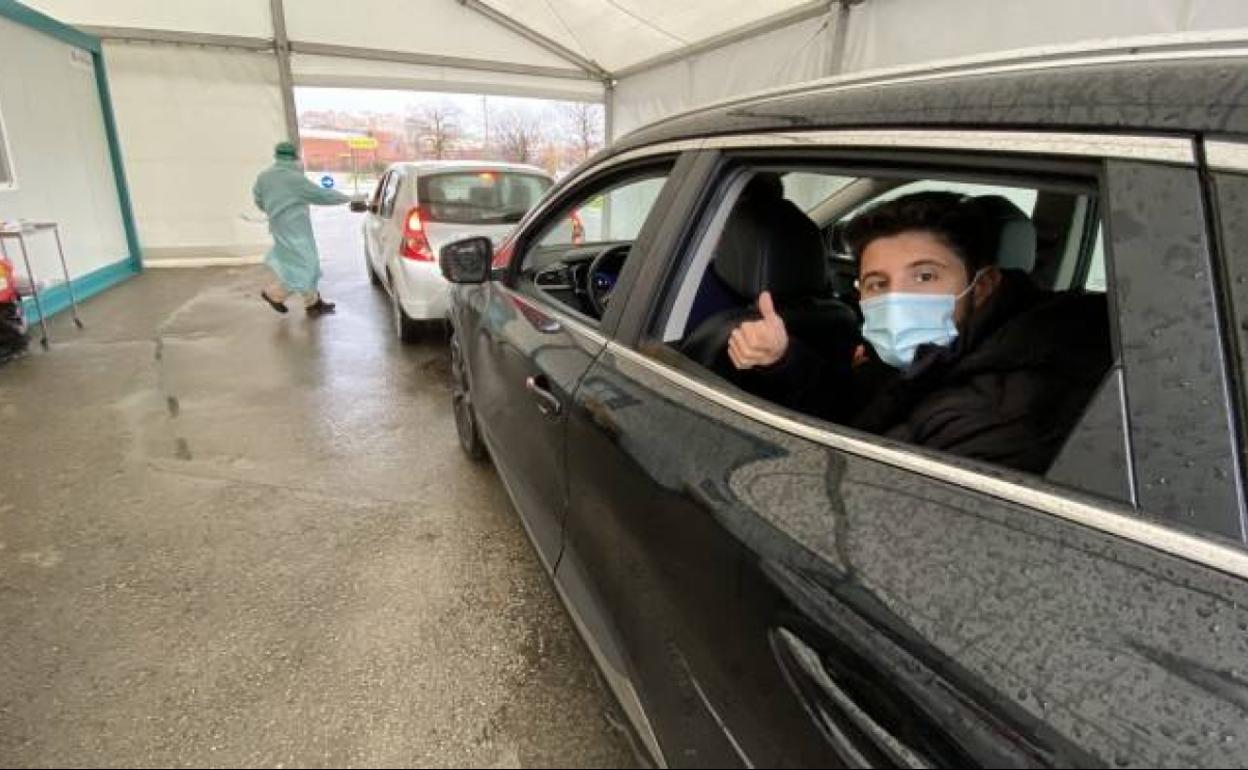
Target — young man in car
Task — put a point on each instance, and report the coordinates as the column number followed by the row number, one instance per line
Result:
column 960, row 355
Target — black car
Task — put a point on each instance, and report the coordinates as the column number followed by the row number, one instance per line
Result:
column 764, row 588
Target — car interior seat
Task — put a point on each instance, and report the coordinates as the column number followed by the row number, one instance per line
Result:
column 482, row 197
column 521, row 198
column 1016, row 233
column 768, row 244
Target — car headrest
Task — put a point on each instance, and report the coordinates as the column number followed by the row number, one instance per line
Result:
column 521, row 197
column 769, row 244
column 481, row 196
column 1016, row 233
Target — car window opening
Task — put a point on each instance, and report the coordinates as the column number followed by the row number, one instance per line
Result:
column 479, row 197
column 982, row 331
column 579, row 256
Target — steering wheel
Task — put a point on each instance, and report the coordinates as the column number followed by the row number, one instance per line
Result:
column 599, row 292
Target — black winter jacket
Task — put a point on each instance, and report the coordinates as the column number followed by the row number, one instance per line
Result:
column 1008, row 390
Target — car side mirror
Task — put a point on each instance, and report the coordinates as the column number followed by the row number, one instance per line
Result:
column 467, row 260
column 359, row 206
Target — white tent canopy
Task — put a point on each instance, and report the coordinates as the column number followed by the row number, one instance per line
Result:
column 204, row 88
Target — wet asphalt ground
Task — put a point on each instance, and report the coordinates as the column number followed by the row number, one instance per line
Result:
column 237, row 539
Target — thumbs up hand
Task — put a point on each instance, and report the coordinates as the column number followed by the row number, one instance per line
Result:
column 762, row 342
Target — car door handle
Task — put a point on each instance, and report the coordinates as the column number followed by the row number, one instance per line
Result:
column 547, row 402
column 859, row 739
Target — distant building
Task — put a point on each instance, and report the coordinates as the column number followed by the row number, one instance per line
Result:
column 329, row 150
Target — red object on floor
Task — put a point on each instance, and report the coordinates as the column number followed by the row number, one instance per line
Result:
column 8, row 281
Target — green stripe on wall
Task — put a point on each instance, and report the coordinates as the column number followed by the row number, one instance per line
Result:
column 10, row 9
column 56, row 298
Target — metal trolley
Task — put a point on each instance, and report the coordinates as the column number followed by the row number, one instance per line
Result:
column 20, row 231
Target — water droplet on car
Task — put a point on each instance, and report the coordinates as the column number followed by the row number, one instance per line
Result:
column 1163, row 481
column 1204, row 611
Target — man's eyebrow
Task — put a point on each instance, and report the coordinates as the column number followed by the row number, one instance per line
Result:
column 927, row 261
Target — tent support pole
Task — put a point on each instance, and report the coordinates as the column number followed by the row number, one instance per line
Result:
column 608, row 108
column 839, row 29
column 281, row 49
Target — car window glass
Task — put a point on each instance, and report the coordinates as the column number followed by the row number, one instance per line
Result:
column 808, row 190
column 1023, row 197
column 375, row 198
column 391, row 194
column 836, row 367
column 614, row 214
column 480, row 197
column 580, row 249
column 1095, row 280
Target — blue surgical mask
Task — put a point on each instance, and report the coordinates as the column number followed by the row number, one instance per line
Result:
column 896, row 324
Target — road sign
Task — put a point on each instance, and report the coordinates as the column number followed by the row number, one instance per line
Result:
column 362, row 143
column 327, row 182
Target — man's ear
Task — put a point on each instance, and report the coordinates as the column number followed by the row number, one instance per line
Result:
column 986, row 286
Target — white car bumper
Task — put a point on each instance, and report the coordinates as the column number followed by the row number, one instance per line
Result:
column 423, row 292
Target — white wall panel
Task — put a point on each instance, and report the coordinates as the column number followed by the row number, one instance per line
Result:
column 789, row 55
column 887, row 33
column 55, row 127
column 196, row 126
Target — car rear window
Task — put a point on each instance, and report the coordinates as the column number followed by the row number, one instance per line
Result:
column 480, row 197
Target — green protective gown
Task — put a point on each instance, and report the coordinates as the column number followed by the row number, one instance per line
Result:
column 283, row 193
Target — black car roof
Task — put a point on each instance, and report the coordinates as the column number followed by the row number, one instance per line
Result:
column 1183, row 95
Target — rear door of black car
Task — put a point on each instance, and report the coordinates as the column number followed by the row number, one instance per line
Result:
column 784, row 591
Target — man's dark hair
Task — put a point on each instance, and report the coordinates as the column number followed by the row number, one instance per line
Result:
column 956, row 220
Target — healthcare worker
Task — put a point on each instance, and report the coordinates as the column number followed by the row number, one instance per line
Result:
column 283, row 193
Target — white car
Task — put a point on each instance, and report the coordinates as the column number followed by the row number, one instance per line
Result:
column 419, row 207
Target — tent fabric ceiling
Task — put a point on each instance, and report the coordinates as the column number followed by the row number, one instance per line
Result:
column 441, row 27
column 344, row 72
column 615, row 34
column 247, row 18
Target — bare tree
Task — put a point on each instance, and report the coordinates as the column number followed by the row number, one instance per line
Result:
column 518, row 136
column 582, row 123
column 435, row 128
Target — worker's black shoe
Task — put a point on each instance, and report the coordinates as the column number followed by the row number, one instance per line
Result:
column 320, row 307
column 278, row 306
